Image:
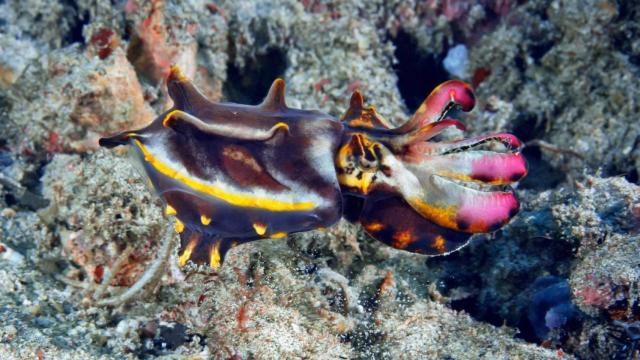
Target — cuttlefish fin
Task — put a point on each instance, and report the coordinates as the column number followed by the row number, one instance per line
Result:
column 185, row 95
column 275, row 99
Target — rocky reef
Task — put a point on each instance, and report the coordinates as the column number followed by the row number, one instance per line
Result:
column 79, row 224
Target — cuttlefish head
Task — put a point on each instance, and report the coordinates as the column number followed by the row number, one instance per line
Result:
column 424, row 195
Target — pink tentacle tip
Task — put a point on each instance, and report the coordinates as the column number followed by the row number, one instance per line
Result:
column 512, row 140
column 499, row 168
column 509, row 140
column 455, row 91
column 488, row 213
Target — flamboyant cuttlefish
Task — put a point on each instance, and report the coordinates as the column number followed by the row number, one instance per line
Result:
column 235, row 173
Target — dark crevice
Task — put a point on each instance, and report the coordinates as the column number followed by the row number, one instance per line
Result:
column 249, row 84
column 418, row 72
column 163, row 338
column 27, row 194
column 528, row 126
column 632, row 176
column 540, row 49
column 77, row 21
column 626, row 30
column 489, row 300
column 520, row 62
column 541, row 174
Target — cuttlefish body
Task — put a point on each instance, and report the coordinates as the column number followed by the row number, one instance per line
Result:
column 235, row 173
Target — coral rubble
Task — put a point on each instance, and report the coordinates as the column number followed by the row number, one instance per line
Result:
column 78, row 224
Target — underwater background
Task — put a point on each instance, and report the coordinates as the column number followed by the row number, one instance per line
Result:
column 561, row 280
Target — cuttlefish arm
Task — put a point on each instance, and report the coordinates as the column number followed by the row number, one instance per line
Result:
column 444, row 98
column 388, row 218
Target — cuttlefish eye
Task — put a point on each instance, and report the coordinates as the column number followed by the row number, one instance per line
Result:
column 357, row 161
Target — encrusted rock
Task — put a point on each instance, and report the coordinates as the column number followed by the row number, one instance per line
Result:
column 101, row 206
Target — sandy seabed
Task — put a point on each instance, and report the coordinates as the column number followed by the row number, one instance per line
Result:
column 559, row 281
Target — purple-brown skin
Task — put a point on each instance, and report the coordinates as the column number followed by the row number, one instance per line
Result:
column 235, row 173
